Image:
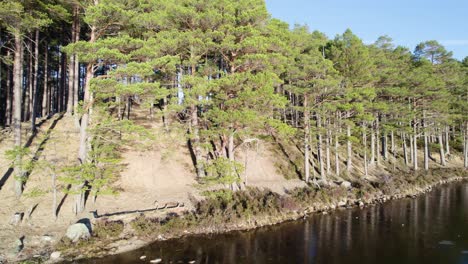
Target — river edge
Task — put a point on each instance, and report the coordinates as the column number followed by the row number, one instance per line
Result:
column 132, row 241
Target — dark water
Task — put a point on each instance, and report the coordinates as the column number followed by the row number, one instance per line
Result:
column 430, row 229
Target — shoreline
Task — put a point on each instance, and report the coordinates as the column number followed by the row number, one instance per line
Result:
column 132, row 242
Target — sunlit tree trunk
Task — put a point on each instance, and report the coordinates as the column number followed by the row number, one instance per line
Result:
column 17, row 103
column 349, row 165
column 319, row 148
column 447, row 140
column 415, row 145
column 372, row 159
column 306, row 140
column 364, row 141
column 35, row 83
column 46, row 88
column 426, row 142
column 327, row 148
column 441, row 149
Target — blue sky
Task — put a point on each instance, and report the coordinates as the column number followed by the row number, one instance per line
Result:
column 407, row 22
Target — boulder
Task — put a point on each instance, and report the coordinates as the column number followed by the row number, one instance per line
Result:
column 78, row 231
column 47, row 238
column 346, row 184
column 55, row 255
column 342, row 203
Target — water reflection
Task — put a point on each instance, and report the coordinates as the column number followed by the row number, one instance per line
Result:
column 405, row 231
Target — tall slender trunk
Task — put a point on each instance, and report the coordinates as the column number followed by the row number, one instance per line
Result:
column 306, row 140
column 426, row 142
column 72, row 90
column 327, row 148
column 377, row 148
column 296, row 119
column 364, row 140
column 372, row 159
column 76, row 85
column 319, row 147
column 128, row 107
column 196, row 135
column 84, row 137
column 196, row 143
column 71, row 84
column 415, row 145
column 465, row 144
column 411, row 145
column 447, row 140
column 35, row 83
column 384, row 143
column 392, row 142
column 46, row 92
column 337, row 157
column 349, row 164
column 8, row 110
column 17, row 102
column 231, row 146
column 441, row 148
column 405, row 148
column 30, row 82
column 63, row 93
column 59, row 87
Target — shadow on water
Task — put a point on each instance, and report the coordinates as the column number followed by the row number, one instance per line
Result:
column 429, row 229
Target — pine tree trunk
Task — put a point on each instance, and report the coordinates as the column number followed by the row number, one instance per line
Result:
column 405, row 148
column 8, row 110
column 17, row 103
column 63, row 94
column 46, row 92
column 71, row 83
column 441, row 147
column 84, row 137
column 28, row 85
column 337, row 157
column 196, row 144
column 349, row 148
column 447, row 140
column 377, row 148
column 327, row 148
column 415, row 145
column 231, row 146
column 319, row 148
column 72, row 90
column 127, row 108
column 58, row 89
column 35, row 84
column 465, row 145
column 411, row 145
column 306, row 140
column 392, row 142
column 77, row 76
column 372, row 159
column 196, row 135
column 384, row 145
column 364, row 141
column 426, row 142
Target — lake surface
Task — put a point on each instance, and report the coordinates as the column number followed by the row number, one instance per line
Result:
column 432, row 228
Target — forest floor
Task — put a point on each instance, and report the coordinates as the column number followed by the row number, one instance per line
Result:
column 150, row 178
